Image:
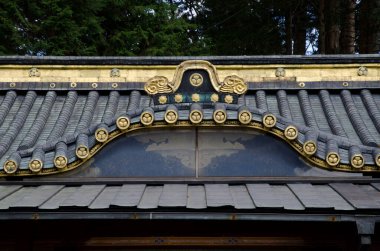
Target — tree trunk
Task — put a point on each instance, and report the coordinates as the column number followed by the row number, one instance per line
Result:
column 322, row 28
column 300, row 30
column 369, row 38
column 289, row 32
column 348, row 28
column 333, row 27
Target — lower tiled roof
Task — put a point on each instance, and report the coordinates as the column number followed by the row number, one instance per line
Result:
column 292, row 197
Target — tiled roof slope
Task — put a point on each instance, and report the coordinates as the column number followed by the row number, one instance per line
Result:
column 257, row 197
column 47, row 128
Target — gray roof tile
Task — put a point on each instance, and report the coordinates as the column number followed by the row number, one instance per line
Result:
column 151, row 197
column 173, row 195
column 218, row 195
column 361, row 197
column 55, row 201
column 196, row 197
column 37, row 196
column 105, row 198
column 83, row 197
column 129, row 195
column 241, row 197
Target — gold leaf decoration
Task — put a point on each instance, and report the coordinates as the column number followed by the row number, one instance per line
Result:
column 234, row 84
column 158, row 84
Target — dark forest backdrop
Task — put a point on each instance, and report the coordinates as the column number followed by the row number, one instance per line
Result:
column 187, row 27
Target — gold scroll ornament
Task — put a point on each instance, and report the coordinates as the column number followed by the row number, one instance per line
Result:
column 161, row 84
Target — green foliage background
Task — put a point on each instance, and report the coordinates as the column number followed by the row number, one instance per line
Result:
column 154, row 27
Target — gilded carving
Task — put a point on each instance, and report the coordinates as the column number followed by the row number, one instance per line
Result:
column 196, row 116
column 10, row 166
column 35, row 165
column 114, row 85
column 291, row 133
column 309, row 147
column 228, row 99
column 178, row 98
column 94, row 85
column 171, row 116
column 362, row 71
column 114, row 73
column 60, row 162
column 195, row 97
column 280, row 72
column 73, row 85
column 245, row 117
column 357, row 161
column 158, row 84
column 377, row 160
column 333, row 159
column 33, row 72
column 82, row 152
column 269, row 120
column 234, row 84
column 214, row 97
column 162, row 99
column 196, row 79
column 220, row 116
column 146, row 118
column 101, row 135
column 123, row 123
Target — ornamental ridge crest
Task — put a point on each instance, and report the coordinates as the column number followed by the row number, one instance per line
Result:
column 195, row 81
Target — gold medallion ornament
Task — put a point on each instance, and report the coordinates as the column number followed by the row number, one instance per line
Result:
column 123, row 123
column 146, row 118
column 195, row 97
column 378, row 160
column 245, row 117
column 357, row 161
column 115, row 73
column 196, row 79
column 196, row 116
column 291, row 132
column 114, row 85
column 73, row 85
column 60, row 162
column 219, row 116
column 34, row 72
column 234, row 84
column 94, row 85
column 228, row 99
column 10, row 166
column 82, row 152
column 362, row 71
column 178, row 98
column 35, row 165
column 269, row 120
column 158, row 84
column 280, row 72
column 332, row 159
column 162, row 100
column 101, row 135
column 171, row 116
column 309, row 147
column 214, row 97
